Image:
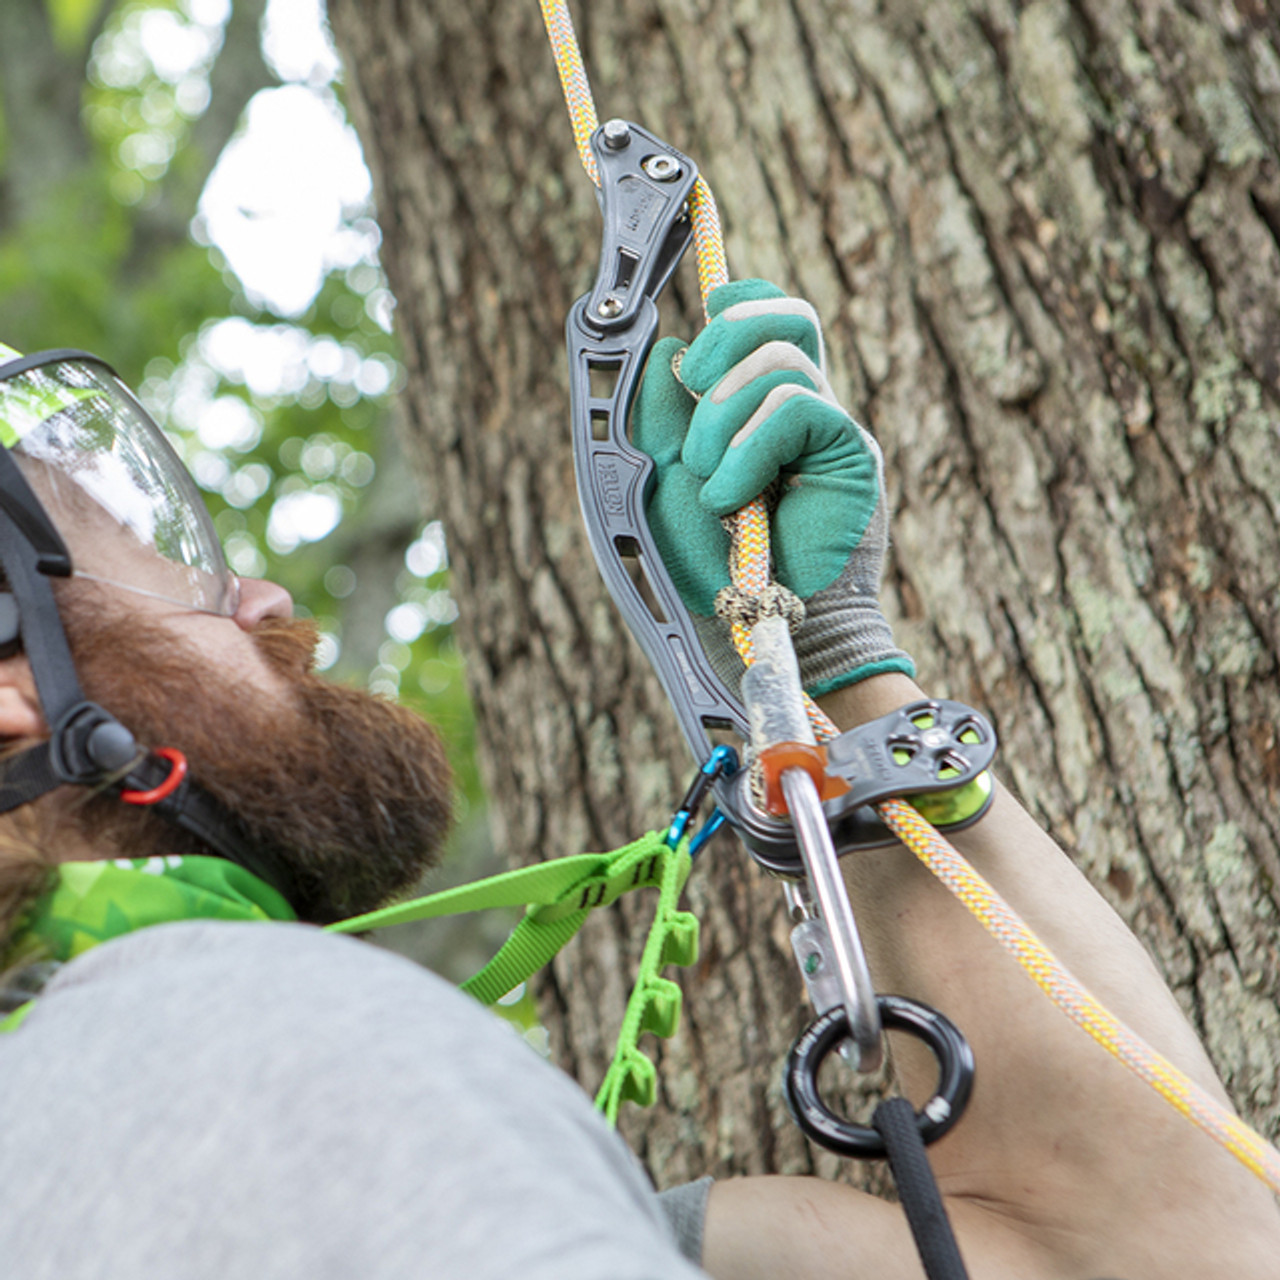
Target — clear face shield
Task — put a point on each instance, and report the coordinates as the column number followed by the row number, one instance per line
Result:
column 111, row 484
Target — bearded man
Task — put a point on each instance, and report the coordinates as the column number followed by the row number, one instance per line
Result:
column 197, row 1083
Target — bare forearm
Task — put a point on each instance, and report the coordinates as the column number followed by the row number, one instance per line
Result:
column 921, row 939
column 1058, row 1132
column 1065, row 1166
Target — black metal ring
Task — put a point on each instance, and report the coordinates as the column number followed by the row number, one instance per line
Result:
column 819, row 1123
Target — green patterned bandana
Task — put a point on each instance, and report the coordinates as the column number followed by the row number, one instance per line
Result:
column 93, row 902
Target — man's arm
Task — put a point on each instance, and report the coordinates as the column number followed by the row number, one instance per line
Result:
column 1065, row 1165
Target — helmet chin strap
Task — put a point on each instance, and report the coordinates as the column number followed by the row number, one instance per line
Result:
column 87, row 745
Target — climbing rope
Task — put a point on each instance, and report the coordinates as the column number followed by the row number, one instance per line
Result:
column 708, row 239
column 750, row 566
column 1048, row 973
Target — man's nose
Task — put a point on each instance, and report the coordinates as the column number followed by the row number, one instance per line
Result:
column 260, row 600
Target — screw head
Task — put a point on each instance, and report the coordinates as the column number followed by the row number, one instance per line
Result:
column 111, row 746
column 661, row 168
column 610, row 307
column 617, row 134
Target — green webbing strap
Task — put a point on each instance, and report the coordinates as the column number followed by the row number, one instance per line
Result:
column 655, row 1003
column 559, row 896
column 14, row 1020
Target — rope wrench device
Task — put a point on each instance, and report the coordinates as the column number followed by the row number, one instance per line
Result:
column 926, row 748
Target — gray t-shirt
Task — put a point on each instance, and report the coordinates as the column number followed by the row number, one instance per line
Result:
column 212, row 1100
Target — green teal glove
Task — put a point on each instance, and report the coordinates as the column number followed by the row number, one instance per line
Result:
column 748, row 411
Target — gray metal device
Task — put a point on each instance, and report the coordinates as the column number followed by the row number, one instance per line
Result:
column 645, row 186
column 644, row 191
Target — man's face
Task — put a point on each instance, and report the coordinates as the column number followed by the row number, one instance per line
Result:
column 351, row 792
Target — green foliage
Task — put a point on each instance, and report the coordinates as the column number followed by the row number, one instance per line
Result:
column 285, row 421
column 71, row 21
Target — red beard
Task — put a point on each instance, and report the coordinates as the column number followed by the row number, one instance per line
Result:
column 350, row 792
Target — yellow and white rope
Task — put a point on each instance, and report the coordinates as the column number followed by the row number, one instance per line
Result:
column 708, row 239
column 1014, row 935
column 573, row 80
column 751, row 572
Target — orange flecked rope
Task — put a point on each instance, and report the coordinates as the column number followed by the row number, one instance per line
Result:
column 1013, row 934
column 708, row 240
column 573, row 80
column 750, row 569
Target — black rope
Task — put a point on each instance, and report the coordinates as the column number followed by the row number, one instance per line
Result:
column 895, row 1121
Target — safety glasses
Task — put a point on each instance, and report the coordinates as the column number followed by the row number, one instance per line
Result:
column 100, row 470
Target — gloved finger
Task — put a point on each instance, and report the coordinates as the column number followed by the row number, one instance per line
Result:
column 724, row 296
column 693, row 543
column 819, row 522
column 770, row 358
column 794, row 429
column 743, row 327
column 735, row 403
column 663, row 407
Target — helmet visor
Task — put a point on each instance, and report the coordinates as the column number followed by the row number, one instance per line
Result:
column 112, row 485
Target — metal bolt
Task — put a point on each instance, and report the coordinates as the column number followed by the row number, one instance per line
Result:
column 617, row 135
column 661, row 168
column 111, row 746
column 610, row 307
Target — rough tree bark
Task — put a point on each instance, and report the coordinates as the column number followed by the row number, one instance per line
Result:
column 1044, row 239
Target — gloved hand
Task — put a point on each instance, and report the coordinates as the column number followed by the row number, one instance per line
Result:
column 750, row 409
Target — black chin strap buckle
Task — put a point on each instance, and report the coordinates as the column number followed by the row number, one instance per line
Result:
column 89, row 745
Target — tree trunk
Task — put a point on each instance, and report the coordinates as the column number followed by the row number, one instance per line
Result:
column 1044, row 241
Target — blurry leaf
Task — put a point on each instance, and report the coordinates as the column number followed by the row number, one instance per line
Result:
column 71, row 22
column 286, row 423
